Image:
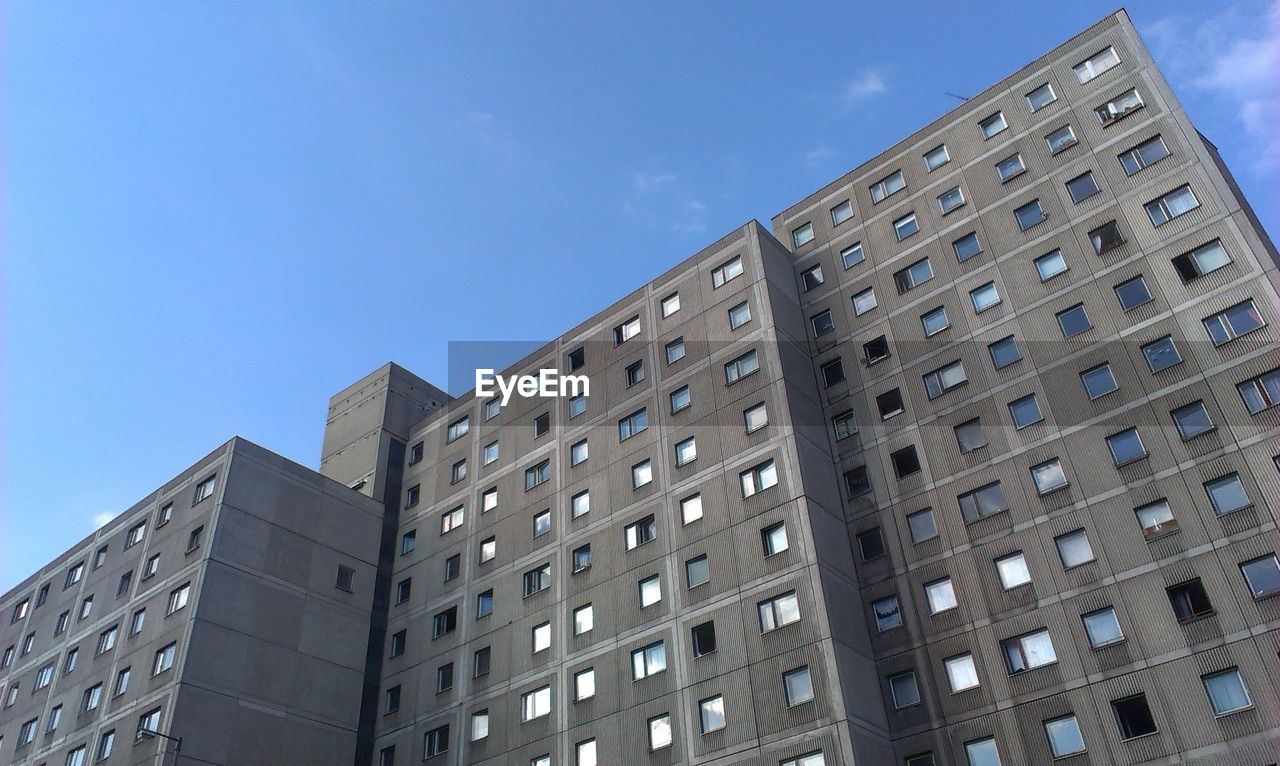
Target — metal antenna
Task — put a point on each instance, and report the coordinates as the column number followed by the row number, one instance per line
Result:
column 955, row 95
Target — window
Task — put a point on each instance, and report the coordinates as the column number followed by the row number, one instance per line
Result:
column 479, row 724
column 178, row 598
column 27, row 732
column 76, row 757
column 730, row 269
column 802, row 235
column 648, row 660
column 1226, row 691
column 55, row 717
column 966, row 247
column 741, row 367
column 778, row 611
column 488, row 549
column 489, row 499
column 491, row 449
column 1240, row 319
column 444, row 622
column 1144, row 155
column 1010, row 168
column 697, row 571
column 1048, row 476
column 1173, row 204
column 480, row 661
column 1119, row 107
column 541, row 637
column 887, row 613
column 1096, row 64
column 690, row 508
column 1030, row 214
column 864, row 301
column 922, row 526
column 632, row 424
column 852, row 255
column 204, row 490
column 86, row 606
column 435, row 742
column 1133, row 716
column 970, row 435
column 904, row 690
column 408, row 542
column 584, row 684
column 404, row 589
column 809, row 759
column 1025, row 411
column 703, row 638
column 457, row 473
column 1132, row 293
column 1029, row 651
column 1156, row 519
column 1082, row 187
column 711, row 714
column 680, row 399
column 984, row 501
column 1041, row 97
column 822, row 323
column 74, row 575
column 64, row 621
column 641, row 474
column 135, row 535
column 1064, row 736
column 1227, row 494
column 640, row 532
column 444, row 677
column 1262, row 575
column 1205, row 259
column 1050, row 265
column 579, row 452
column 44, row 677
column 755, row 417
column 42, row 595
column 1126, row 446
column 107, row 640
column 1061, row 139
column 951, row 200
column 889, row 185
column 70, row 664
column 635, row 372
column 457, row 429
column 935, row 321
column 626, row 331
column 982, row 752
column 941, row 595
column 1161, row 354
column 1013, row 571
column 164, row 659
column 905, row 462
column 650, row 591
column 811, row 277
column 739, row 315
column 962, row 673
column 798, row 686
column 856, row 481
column 576, row 358
column 670, row 305
column 193, row 539
column 20, row 611
column 1106, row 237
column 686, row 451
column 871, row 544
column 538, row 474
column 774, row 539
column 841, row 213
column 875, row 350
column 936, row 158
column 832, row 372
column 1004, row 352
column 758, row 478
column 890, row 404
column 993, row 125
column 1192, row 420
column 675, row 350
column 535, row 704
column 452, row 567
column 580, row 504
column 913, row 275
column 584, row 619
column 905, row 226
column 538, row 579
column 416, row 452
column 944, row 379
column 984, row 297
column 412, row 496
column 660, row 731
column 451, row 520
column 491, row 409
column 585, row 753
column 581, row 558
column 1074, row 548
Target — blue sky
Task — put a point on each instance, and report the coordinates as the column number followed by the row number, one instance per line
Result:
column 217, row 215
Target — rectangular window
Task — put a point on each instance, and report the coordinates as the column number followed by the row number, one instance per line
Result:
column 1050, row 265
column 864, row 301
column 875, row 350
column 950, row 200
column 536, row 580
column 1064, row 736
column 479, row 725
column 993, row 126
column 1132, row 293
column 944, row 379
column 936, row 158
column 541, row 637
column 1030, row 214
column 489, row 500
column 966, row 247
column 913, row 276
column 670, row 305
column 650, row 591
column 802, row 235
column 822, row 323
column 457, row 472
column 178, row 598
column 758, row 478
column 1041, row 97
column 648, row 660
column 1119, row 107
column 887, row 613
column 1227, row 325
column 675, row 350
column 1226, row 691
column 727, row 271
column 633, row 424
column 774, row 539
column 576, row 358
column 579, row 452
column 1082, row 187
column 451, row 520
column 1227, row 494
column 680, row 399
column 1061, row 139
column 1192, row 420
column 659, row 731
column 1171, row 205
column 852, row 255
column 435, row 742
column 1262, row 575
column 640, row 532
column 856, row 481
column 739, row 315
column 535, row 704
column 703, row 638
column 888, row 186
column 940, row 595
column 480, row 662
column 697, row 571
column 444, row 622
column 778, row 612
column 635, row 373
column 962, row 673
column 1161, row 354
column 984, row 297
column 1156, row 519
column 741, row 367
column 444, row 677
column 164, row 659
column 690, row 508
column 641, row 474
column 626, row 331
column 1133, row 716
column 811, row 278
column 906, row 226
column 871, row 544
column 711, row 714
column 581, row 558
column 491, row 449
column 1126, row 446
column 982, row 502
column 841, row 213
column 1029, row 651
column 584, row 684
column 922, row 526
column 580, row 504
column 1010, row 167
column 1004, row 352
column 538, row 474
column 1096, row 64
column 1144, row 155
column 755, row 418
column 1106, row 237
column 797, row 685
column 492, row 407
column 1013, row 571
column 204, row 490
column 1025, row 411
column 457, row 429
column 1074, row 548
column 1260, row 393
column 1203, row 260
column 452, row 567
column 982, row 752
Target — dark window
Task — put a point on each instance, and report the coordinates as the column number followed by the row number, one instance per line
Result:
column 1126, row 446
column 635, row 372
column 1030, row 214
column 397, row 643
column 541, row 424
column 1189, row 600
column 1133, row 716
column 984, row 501
column 1025, row 411
column 922, row 525
column 966, row 247
column 412, row 496
column 905, row 462
column 577, row 358
column 1082, row 187
column 1106, row 237
column 480, row 662
column 856, row 481
column 1205, row 259
column 812, row 278
column 970, row 435
column 1098, row 381
column 822, row 323
column 403, row 589
column 444, row 677
column 889, row 404
column 436, row 742
column 1132, row 293
column 1192, row 420
column 1161, row 354
column 408, row 542
column 875, row 350
column 444, row 622
column 1073, row 321
column 833, row 372
column 415, row 453
column 704, row 638
column 913, row 275
column 1004, row 352
column 452, row 566
column 393, row 699
column 346, row 579
column 871, row 544
column 1262, row 575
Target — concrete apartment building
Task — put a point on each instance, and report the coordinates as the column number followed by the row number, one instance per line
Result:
column 972, row 460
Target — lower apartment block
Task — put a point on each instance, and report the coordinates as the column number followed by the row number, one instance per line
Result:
column 970, row 461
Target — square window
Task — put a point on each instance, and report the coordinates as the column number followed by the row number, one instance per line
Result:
column 1126, row 446
column 941, row 595
column 887, row 613
column 856, row 481
column 640, row 532
column 1073, row 321
column 811, row 278
column 1156, row 519
column 1061, row 139
column 935, row 321
column 864, row 301
column 680, row 399
column 841, row 213
column 875, row 350
column 626, row 331
column 966, row 247
column 670, row 305
column 1132, row 293
column 822, row 323
column 755, row 417
column 1074, row 548
column 871, row 544
column 1161, row 354
column 703, row 638
column 697, row 571
column 1082, row 187
column 993, row 125
column 1227, row 494
column 774, row 538
column 1050, row 265
column 1102, row 627
column 1013, row 570
column 1226, row 691
column 852, row 255
column 1004, row 352
column 711, row 714
column 833, row 372
column 905, row 462
column 648, row 660
column 1030, row 214
column 1133, row 716
column 798, row 686
column 1064, row 736
column 1041, row 97
column 1025, row 411
column 690, row 509
column 950, row 200
column 1262, row 575
column 904, row 690
column 889, row 404
column 1192, row 420
column 984, row 297
column 936, row 158
column 962, row 673
column 686, row 452
column 1106, row 237
column 905, row 226
column 982, row 752
column 1098, row 381
column 1010, row 167
column 802, row 235
column 922, row 526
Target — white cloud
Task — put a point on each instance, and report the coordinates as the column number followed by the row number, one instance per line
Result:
column 658, row 201
column 1232, row 58
column 102, row 519
column 868, row 83
column 646, row 181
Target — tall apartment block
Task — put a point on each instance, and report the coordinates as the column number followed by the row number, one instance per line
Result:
column 972, row 461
